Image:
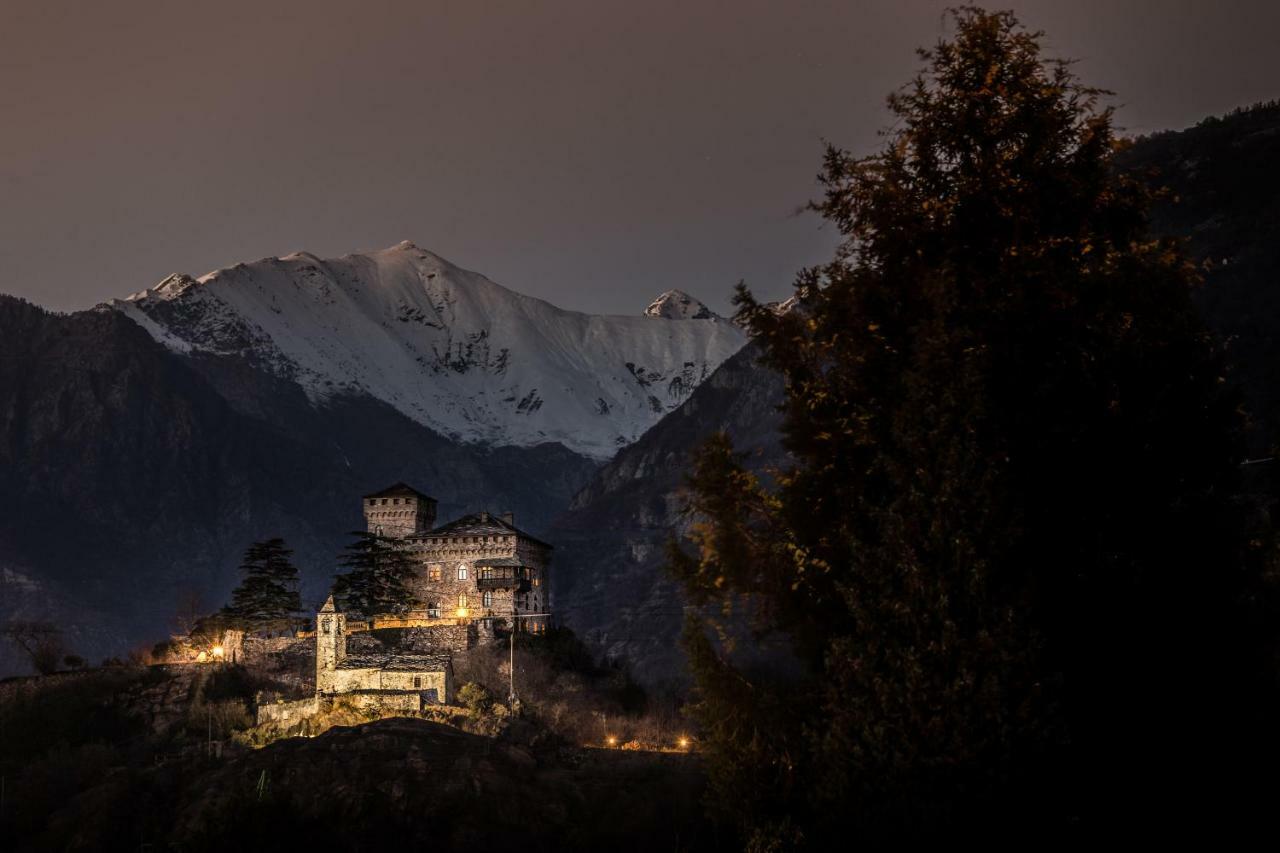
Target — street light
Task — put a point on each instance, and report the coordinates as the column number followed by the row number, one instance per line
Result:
column 511, row 663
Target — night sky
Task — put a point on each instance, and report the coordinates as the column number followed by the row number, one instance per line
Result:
column 591, row 153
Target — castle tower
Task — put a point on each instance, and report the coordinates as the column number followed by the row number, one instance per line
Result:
column 399, row 511
column 331, row 645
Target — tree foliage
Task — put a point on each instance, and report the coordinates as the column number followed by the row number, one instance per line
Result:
column 1006, row 554
column 41, row 642
column 377, row 577
column 268, row 590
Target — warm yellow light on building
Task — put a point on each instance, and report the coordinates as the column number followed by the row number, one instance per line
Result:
column 462, row 613
column 202, row 657
column 684, row 743
column 611, row 740
column 218, row 651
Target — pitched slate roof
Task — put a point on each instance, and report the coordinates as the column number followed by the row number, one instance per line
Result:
column 478, row 524
column 398, row 490
column 397, row 662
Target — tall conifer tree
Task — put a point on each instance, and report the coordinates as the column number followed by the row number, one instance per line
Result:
column 377, row 577
column 268, row 591
column 1006, row 553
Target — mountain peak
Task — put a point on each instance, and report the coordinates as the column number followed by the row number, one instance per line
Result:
column 678, row 305
column 446, row 347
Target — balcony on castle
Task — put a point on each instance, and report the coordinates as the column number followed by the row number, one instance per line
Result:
column 501, row 573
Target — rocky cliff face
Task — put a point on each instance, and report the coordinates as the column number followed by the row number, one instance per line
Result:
column 610, row 546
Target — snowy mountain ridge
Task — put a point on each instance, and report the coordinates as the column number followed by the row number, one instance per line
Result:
column 447, row 347
column 678, row 305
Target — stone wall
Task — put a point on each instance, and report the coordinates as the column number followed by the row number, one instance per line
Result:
column 288, row 713
column 350, row 681
column 404, row 703
column 290, row 661
column 441, row 638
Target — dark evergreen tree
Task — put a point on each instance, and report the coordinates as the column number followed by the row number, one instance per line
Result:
column 268, row 592
column 377, row 577
column 1007, row 555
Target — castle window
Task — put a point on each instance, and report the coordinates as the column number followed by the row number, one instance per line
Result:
column 462, row 571
column 462, row 601
column 434, row 573
column 417, row 682
column 433, row 610
column 487, row 598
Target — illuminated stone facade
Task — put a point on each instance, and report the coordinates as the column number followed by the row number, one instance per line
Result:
column 403, row 676
column 479, row 567
column 476, row 575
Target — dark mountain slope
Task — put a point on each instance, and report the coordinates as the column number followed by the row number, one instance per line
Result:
column 610, row 587
column 1225, row 199
column 130, row 475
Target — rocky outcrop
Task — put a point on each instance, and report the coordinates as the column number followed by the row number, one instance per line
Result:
column 395, row 784
column 678, row 305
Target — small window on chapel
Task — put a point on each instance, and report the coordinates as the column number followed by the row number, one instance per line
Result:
column 462, row 571
column 487, row 598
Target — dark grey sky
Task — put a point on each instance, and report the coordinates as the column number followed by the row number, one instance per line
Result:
column 592, row 153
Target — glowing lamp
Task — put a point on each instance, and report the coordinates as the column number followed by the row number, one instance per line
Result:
column 684, row 743
column 218, row 651
column 462, row 613
column 611, row 740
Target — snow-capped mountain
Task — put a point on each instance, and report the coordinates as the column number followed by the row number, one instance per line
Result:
column 447, row 347
column 678, row 305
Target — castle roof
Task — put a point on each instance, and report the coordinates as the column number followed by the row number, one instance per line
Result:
column 478, row 524
column 399, row 490
column 397, row 662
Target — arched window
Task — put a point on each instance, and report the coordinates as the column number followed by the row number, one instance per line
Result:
column 462, row 602
column 462, row 571
column 487, row 598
